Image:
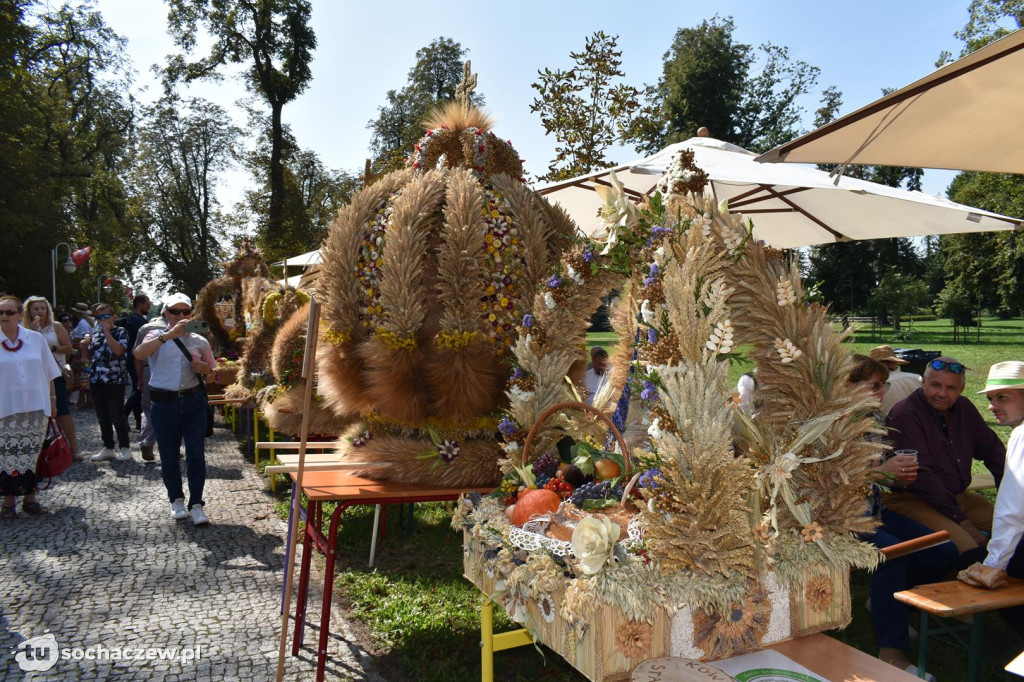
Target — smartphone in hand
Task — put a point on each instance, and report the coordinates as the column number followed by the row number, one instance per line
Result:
column 198, row 327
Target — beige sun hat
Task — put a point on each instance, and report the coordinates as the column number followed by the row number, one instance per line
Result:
column 1002, row 375
column 886, row 354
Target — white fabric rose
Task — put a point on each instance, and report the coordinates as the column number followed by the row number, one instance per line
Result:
column 593, row 543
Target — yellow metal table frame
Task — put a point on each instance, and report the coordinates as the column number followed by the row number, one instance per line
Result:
column 490, row 642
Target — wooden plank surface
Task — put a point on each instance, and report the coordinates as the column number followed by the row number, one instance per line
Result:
column 335, row 485
column 839, row 662
column 954, row 598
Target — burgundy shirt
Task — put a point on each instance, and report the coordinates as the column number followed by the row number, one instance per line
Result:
column 945, row 446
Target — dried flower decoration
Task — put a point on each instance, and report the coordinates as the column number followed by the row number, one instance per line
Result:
column 593, row 543
column 787, row 351
column 818, row 593
column 618, row 213
column 546, row 606
column 813, row 532
column 648, row 314
column 784, row 292
column 717, row 292
column 633, row 639
column 720, row 340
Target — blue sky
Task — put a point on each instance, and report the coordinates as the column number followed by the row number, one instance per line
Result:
column 367, row 48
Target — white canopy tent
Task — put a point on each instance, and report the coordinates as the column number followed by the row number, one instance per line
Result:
column 310, row 264
column 964, row 116
column 790, row 205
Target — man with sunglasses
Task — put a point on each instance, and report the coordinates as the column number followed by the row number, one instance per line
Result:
column 177, row 361
column 948, row 433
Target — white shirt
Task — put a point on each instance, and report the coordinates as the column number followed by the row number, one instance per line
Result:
column 594, row 382
column 169, row 370
column 901, row 385
column 25, row 374
column 1008, row 521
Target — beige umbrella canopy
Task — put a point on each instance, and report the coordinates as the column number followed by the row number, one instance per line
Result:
column 965, row 116
column 789, row 205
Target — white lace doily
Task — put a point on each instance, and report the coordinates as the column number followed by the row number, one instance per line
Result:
column 531, row 536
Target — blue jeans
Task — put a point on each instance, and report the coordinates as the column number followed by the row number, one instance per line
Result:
column 927, row 566
column 182, row 419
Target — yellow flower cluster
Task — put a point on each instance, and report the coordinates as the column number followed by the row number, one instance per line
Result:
column 268, row 307
column 336, row 337
column 455, row 340
column 395, row 341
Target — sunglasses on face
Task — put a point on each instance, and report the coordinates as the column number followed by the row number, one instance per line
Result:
column 9, row 313
column 954, row 367
column 179, row 311
column 878, row 385
column 104, row 316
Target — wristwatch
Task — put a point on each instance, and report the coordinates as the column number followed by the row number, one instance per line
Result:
column 161, row 337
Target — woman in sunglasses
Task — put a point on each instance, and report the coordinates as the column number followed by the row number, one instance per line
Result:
column 27, row 371
column 108, row 375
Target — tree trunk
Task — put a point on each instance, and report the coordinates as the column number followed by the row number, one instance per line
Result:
column 276, row 210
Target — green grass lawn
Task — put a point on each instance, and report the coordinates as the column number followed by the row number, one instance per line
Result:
column 421, row 616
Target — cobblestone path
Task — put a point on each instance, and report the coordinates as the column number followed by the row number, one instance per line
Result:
column 109, row 567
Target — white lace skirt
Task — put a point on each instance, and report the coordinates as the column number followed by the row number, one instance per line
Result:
column 21, row 438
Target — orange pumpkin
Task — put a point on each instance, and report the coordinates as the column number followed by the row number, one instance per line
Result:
column 533, row 502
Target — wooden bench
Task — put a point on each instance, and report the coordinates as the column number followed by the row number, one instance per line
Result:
column 982, row 481
column 957, row 600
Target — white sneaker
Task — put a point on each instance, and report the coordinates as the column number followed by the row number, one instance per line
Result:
column 199, row 517
column 178, row 509
column 125, row 455
column 103, row 455
column 912, row 671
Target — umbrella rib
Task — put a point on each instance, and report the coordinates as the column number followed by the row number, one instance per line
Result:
column 741, row 200
column 813, row 219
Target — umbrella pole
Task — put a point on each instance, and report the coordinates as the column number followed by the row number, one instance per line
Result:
column 308, row 371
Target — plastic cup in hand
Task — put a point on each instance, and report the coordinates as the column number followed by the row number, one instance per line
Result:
column 906, row 453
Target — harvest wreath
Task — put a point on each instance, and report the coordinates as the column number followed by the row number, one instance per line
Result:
column 738, row 529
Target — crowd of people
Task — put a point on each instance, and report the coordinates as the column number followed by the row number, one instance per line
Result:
column 123, row 365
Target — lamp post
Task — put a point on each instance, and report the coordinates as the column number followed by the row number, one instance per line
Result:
column 69, row 267
column 104, row 281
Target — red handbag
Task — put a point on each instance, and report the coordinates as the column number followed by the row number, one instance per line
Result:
column 55, row 457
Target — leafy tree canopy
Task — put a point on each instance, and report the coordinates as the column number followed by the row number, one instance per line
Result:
column 585, row 107
column 399, row 122
column 743, row 95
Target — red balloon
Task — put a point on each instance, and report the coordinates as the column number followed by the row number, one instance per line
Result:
column 81, row 257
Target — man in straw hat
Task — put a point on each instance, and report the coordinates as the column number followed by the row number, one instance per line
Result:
column 1005, row 390
column 900, row 384
column 948, row 432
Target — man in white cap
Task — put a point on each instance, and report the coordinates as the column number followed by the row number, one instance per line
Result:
column 900, row 384
column 178, row 360
column 1005, row 390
